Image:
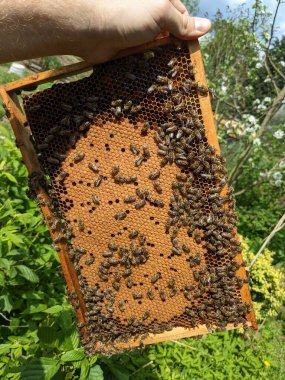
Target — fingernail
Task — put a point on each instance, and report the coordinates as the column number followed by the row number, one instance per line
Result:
column 202, row 25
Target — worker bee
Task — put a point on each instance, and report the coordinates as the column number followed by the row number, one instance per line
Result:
column 127, row 105
column 135, row 109
column 43, row 146
column 155, row 278
column 172, row 62
column 137, row 296
column 116, row 285
column 129, row 282
column 113, row 247
column 154, row 175
column 121, row 306
column 152, row 89
column 93, row 167
column 53, row 160
column 139, row 161
column 84, row 126
column 79, row 157
column 98, row 181
column 81, row 225
column 146, row 151
column 133, row 234
column 145, row 128
column 120, row 216
column 140, row 204
column 95, row 200
column 134, row 149
column 62, row 176
column 55, row 225
column 117, row 111
column 150, row 294
column 146, row 315
column 90, row 260
column 157, row 187
column 185, row 248
column 130, row 199
column 162, row 295
column 115, row 170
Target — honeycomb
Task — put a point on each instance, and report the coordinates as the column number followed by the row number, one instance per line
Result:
column 140, row 198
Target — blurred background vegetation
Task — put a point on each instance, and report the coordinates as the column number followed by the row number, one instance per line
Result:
column 245, row 65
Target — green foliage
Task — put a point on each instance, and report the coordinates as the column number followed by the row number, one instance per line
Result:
column 268, row 283
column 219, row 356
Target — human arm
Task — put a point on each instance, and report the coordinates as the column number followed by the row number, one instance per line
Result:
column 95, row 30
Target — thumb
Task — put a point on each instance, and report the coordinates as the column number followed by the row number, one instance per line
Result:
column 183, row 26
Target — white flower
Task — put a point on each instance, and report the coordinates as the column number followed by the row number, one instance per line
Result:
column 278, row 183
column 257, row 141
column 224, row 89
column 261, row 107
column 278, row 134
column 258, row 65
column 267, row 99
column 282, row 63
column 277, row 176
column 282, row 164
column 251, row 119
column 267, row 80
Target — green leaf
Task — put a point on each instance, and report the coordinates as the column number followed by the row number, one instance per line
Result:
column 54, row 309
column 95, row 373
column 84, row 369
column 7, row 302
column 10, row 177
column 42, row 369
column 73, row 355
column 28, row 273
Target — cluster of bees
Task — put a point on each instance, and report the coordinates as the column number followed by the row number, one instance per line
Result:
column 199, row 204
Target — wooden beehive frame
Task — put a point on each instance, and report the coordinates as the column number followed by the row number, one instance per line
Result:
column 9, row 93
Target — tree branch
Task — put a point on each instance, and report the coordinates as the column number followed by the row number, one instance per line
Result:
column 270, row 113
column 279, row 225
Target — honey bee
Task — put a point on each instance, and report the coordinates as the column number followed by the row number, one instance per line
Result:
column 146, row 315
column 154, row 175
column 146, row 151
column 130, row 199
column 107, row 254
column 150, row 294
column 134, row 149
column 98, row 181
column 162, row 295
column 121, row 306
column 120, row 216
column 116, row 285
column 79, row 157
column 152, row 88
column 55, row 225
column 185, row 248
column 155, row 278
column 115, row 170
column 135, row 109
column 140, row 204
column 62, row 176
column 117, row 111
column 139, row 161
column 172, row 62
column 129, row 283
column 43, row 146
column 137, row 296
column 133, row 234
column 90, row 260
column 81, row 225
column 93, row 167
column 53, row 160
column 145, row 128
column 95, row 200
column 84, row 126
column 157, row 187
column 113, row 247
column 127, row 105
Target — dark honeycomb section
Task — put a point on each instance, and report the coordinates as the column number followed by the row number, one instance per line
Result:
column 141, row 198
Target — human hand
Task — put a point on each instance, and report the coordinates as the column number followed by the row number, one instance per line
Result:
column 119, row 24
column 95, row 30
